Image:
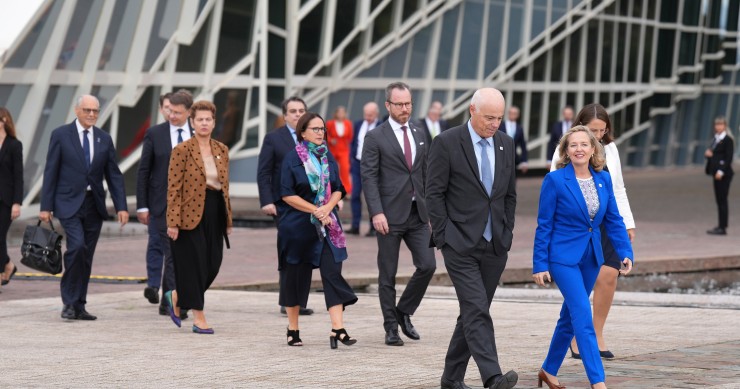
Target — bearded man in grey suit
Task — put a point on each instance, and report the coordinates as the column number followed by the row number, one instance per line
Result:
column 393, row 169
column 471, row 196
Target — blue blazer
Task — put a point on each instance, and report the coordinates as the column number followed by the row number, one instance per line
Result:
column 154, row 167
column 66, row 176
column 564, row 228
column 275, row 147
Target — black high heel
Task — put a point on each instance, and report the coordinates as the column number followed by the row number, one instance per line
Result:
column 10, row 277
column 574, row 354
column 294, row 338
column 337, row 335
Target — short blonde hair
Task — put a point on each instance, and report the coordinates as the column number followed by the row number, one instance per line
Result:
column 597, row 160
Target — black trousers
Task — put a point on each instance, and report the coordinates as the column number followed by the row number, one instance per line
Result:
column 82, row 232
column 721, row 192
column 159, row 223
column 416, row 235
column 4, row 227
column 295, row 283
column 198, row 253
column 475, row 278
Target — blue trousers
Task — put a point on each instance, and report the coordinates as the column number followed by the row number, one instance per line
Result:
column 82, row 232
column 154, row 255
column 576, row 283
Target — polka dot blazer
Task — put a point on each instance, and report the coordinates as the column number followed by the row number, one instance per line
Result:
column 186, row 189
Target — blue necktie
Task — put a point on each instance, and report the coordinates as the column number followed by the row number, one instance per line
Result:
column 86, row 148
column 487, row 179
column 179, row 135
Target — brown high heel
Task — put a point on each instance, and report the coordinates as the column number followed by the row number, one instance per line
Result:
column 542, row 377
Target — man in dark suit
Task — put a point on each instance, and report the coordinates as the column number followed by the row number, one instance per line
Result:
column 433, row 124
column 362, row 127
column 471, row 168
column 719, row 166
column 80, row 156
column 151, row 193
column 393, row 173
column 557, row 130
column 516, row 132
column 274, row 148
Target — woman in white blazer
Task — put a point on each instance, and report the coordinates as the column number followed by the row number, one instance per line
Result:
column 595, row 117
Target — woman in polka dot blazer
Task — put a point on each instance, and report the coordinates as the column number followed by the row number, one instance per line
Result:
column 198, row 214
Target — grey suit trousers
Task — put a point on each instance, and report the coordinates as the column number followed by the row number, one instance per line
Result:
column 475, row 278
column 416, row 235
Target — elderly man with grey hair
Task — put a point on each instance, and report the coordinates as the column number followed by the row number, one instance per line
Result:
column 471, row 169
column 79, row 158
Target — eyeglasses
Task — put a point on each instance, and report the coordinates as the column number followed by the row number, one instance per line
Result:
column 401, row 105
column 89, row 111
column 316, row 130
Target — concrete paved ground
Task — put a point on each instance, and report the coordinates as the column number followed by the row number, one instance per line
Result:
column 131, row 346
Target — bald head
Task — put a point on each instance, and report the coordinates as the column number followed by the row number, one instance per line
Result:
column 486, row 111
column 370, row 112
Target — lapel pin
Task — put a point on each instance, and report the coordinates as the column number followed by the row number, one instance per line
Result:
column 501, row 147
column 98, row 140
column 599, row 185
column 421, row 143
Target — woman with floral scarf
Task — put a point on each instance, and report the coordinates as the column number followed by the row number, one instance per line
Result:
column 309, row 234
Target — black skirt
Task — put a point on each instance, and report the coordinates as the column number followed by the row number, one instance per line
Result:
column 197, row 253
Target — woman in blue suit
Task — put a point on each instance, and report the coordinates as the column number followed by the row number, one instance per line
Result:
column 574, row 201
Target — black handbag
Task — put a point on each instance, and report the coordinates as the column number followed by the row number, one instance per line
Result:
column 42, row 249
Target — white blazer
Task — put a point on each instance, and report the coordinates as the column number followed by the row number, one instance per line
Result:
column 615, row 171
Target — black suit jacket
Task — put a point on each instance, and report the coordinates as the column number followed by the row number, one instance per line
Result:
column 354, row 162
column 456, row 198
column 422, row 123
column 11, row 172
column 556, row 132
column 274, row 148
column 721, row 157
column 386, row 181
column 520, row 143
column 151, row 178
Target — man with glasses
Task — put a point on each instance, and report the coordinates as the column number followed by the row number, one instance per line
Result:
column 393, row 167
column 80, row 156
column 274, row 148
column 151, row 193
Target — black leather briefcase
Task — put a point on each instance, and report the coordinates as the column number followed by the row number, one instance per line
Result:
column 42, row 249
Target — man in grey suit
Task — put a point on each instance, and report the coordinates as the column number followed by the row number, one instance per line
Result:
column 393, row 169
column 471, row 197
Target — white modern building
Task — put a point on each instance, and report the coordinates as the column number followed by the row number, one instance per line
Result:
column 663, row 69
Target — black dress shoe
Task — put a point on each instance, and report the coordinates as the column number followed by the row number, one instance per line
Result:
column 606, row 354
column 447, row 384
column 163, row 310
column 407, row 328
column 305, row 311
column 392, row 338
column 717, row 231
column 82, row 314
column 68, row 312
column 151, row 294
column 353, row 231
column 506, row 381
column 183, row 314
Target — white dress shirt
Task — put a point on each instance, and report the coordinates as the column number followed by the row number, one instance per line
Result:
column 364, row 129
column 185, row 133
column 399, row 135
column 614, row 164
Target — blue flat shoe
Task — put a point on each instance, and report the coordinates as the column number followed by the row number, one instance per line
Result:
column 175, row 318
column 205, row 331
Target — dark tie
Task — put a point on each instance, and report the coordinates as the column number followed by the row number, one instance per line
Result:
column 179, row 135
column 487, row 178
column 406, row 147
column 86, row 148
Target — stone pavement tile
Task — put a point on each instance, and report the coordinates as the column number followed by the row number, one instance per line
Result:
column 131, row 346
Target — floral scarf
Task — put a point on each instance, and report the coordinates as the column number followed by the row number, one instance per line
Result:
column 316, row 164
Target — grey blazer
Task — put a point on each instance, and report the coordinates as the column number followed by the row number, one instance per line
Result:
column 386, row 181
column 458, row 203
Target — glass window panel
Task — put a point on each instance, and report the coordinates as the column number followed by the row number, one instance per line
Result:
column 229, row 115
column 276, row 13
column 235, row 36
column 134, row 121
column 105, row 95
column 619, row 61
column 446, row 43
column 344, row 21
column 439, row 95
column 383, row 23
column 13, row 98
column 634, row 52
column 352, row 50
column 419, row 53
column 164, row 25
column 493, row 46
column 360, row 98
column 516, row 23
column 309, row 40
column 395, row 62
column 409, row 7
column 535, row 116
column 558, row 56
column 373, row 71
column 467, row 68
column 593, row 46
column 687, row 50
column 276, row 56
column 575, row 51
column 120, row 36
column 554, row 109
column 692, row 12
column 336, row 99
column 191, row 58
column 79, row 35
column 666, row 39
column 539, row 19
column 28, row 54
